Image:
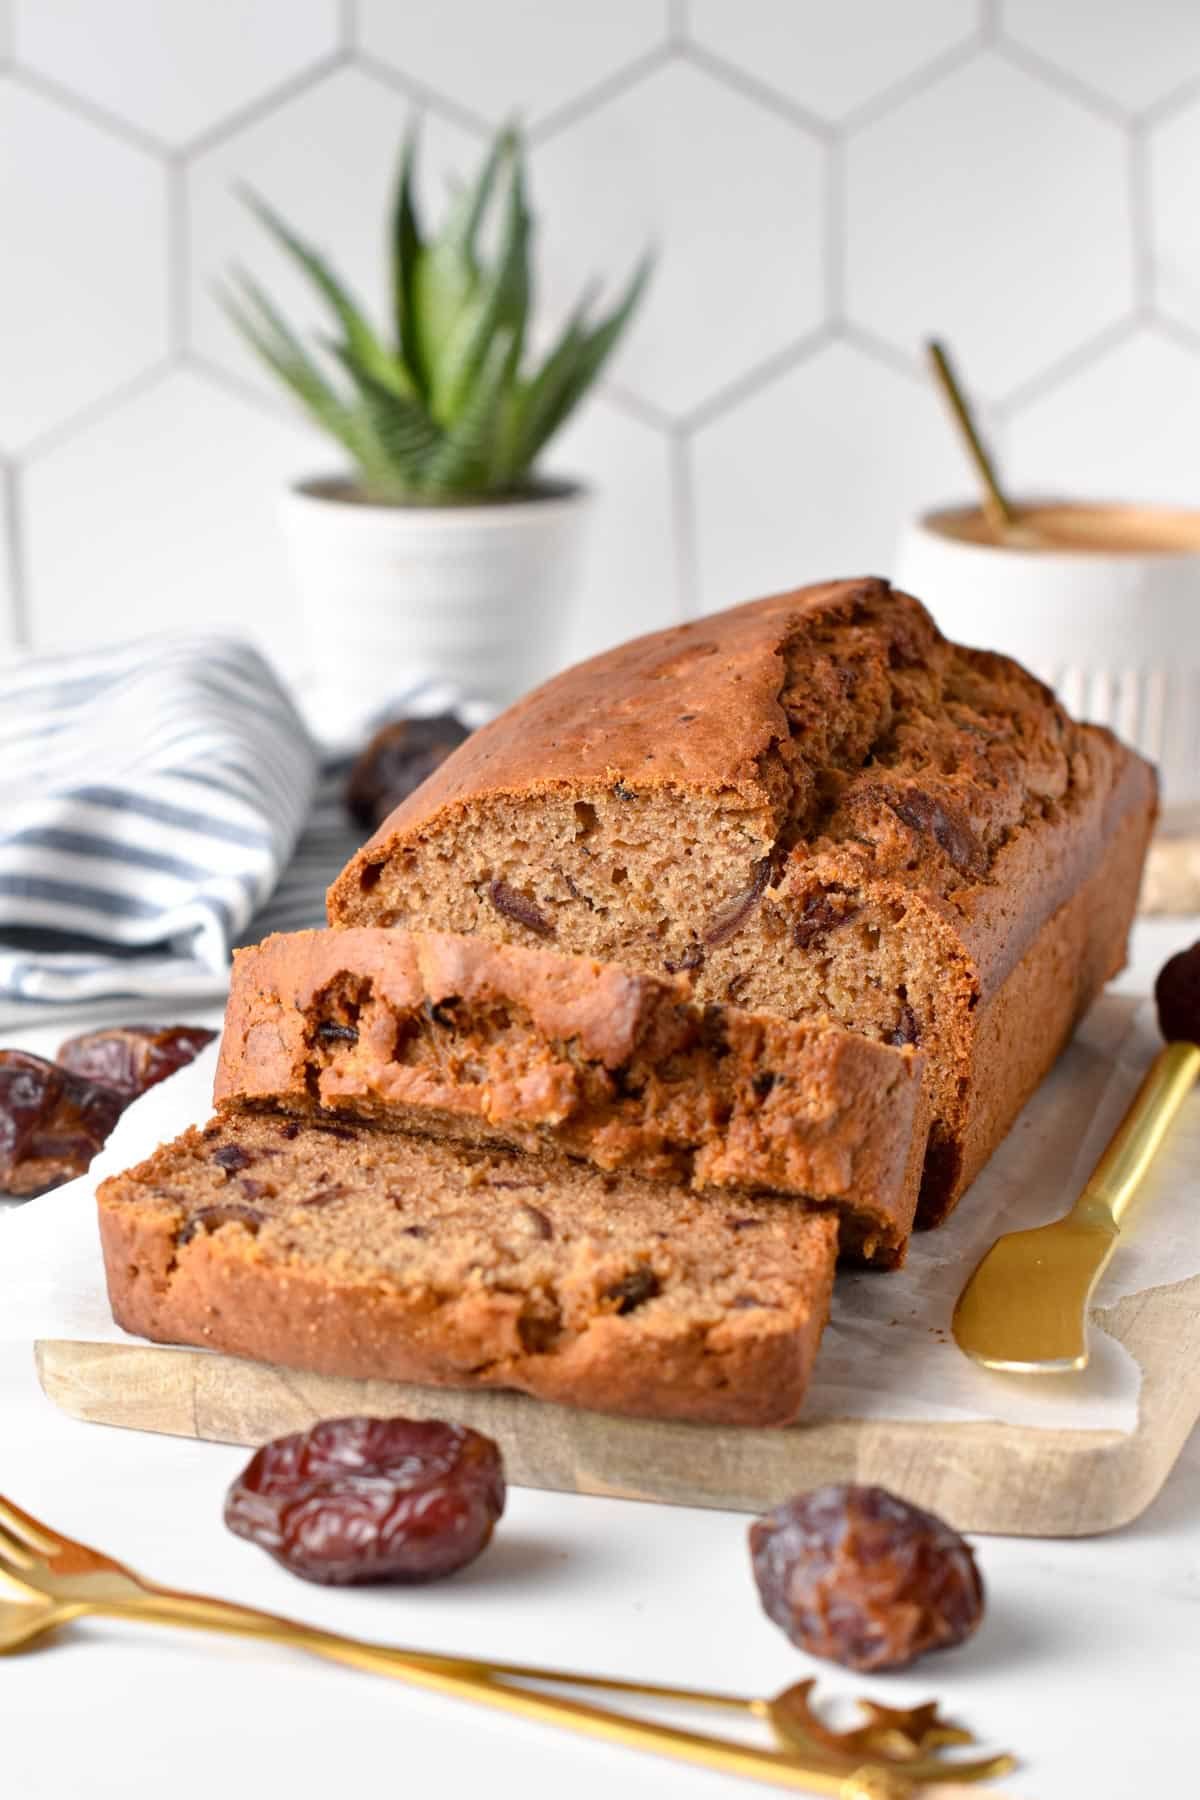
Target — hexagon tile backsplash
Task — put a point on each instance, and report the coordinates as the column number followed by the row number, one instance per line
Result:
column 826, row 183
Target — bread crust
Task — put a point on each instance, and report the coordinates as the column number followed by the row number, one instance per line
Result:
column 458, row 1035
column 969, row 805
column 225, row 1288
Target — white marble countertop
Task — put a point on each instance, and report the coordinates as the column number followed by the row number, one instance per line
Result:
column 1088, row 1663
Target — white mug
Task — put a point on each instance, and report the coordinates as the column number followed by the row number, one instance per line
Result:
column 1101, row 601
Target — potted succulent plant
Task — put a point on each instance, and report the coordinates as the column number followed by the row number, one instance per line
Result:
column 437, row 548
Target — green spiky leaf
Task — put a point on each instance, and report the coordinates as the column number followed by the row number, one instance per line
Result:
column 361, row 338
column 269, row 334
column 446, row 410
column 499, row 304
column 408, row 251
column 463, row 462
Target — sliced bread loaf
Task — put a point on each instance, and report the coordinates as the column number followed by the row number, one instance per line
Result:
column 814, row 805
column 372, row 1254
column 444, row 1034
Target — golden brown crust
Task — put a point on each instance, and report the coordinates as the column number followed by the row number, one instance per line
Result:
column 866, row 821
column 696, row 706
column 1021, row 1028
column 272, row 1279
column 442, row 1033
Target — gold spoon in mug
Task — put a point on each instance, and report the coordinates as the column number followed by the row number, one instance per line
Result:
column 1001, row 515
column 1025, row 1309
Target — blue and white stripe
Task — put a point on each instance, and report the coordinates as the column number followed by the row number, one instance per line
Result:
column 160, row 803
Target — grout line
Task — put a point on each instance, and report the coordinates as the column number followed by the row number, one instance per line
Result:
column 990, row 25
column 627, row 400
column 758, row 377
column 1175, row 331
column 419, row 95
column 834, row 230
column 900, row 92
column 96, row 410
column 14, row 556
column 683, row 515
column 677, row 22
column 731, row 76
column 1161, row 111
column 263, row 105
column 1050, row 75
column 630, row 76
column 99, row 116
column 242, row 388
column 348, row 24
column 178, row 256
column 1080, row 358
column 890, row 356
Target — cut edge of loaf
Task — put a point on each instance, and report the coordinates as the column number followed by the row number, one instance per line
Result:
column 456, row 1036
column 814, row 803
column 374, row 1256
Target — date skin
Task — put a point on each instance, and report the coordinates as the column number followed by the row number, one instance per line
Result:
column 131, row 1058
column 52, row 1123
column 860, row 1577
column 55, row 1116
column 1177, row 997
column 371, row 1500
column 397, row 760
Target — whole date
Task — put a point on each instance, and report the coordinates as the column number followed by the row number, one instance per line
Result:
column 859, row 1576
column 52, row 1123
column 131, row 1058
column 362, row 1500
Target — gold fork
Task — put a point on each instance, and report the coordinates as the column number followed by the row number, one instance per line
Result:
column 883, row 1759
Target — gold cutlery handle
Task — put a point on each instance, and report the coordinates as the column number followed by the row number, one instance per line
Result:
column 1116, row 1177
column 470, row 1681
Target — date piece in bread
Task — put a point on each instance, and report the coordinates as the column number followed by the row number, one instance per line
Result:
column 371, row 1254
column 816, row 806
column 458, row 1036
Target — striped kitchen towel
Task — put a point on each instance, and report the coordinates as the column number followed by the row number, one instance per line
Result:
column 150, row 795
column 161, row 802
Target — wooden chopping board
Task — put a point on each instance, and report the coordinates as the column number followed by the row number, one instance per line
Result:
column 984, row 1477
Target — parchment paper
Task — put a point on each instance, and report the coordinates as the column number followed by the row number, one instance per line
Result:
column 887, row 1352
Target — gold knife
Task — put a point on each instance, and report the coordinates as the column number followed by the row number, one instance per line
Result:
column 1026, row 1306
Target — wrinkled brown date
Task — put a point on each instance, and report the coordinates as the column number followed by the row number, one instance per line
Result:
column 358, row 1500
column 52, row 1123
column 397, row 760
column 1177, row 997
column 860, row 1577
column 131, row 1058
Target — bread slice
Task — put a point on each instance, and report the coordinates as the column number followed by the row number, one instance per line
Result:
column 815, row 805
column 371, row 1254
column 458, row 1036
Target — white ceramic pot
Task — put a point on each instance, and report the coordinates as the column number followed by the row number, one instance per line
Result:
column 1105, row 608
column 476, row 595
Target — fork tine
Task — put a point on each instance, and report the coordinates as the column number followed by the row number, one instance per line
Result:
column 16, row 1557
column 32, row 1532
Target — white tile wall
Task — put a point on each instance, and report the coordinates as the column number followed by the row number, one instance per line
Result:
column 164, row 509
column 732, row 198
column 83, row 230
column 326, row 160
column 1133, row 55
column 1126, row 424
column 826, row 184
column 813, row 471
column 527, row 58
column 168, row 70
column 833, row 60
column 994, row 209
